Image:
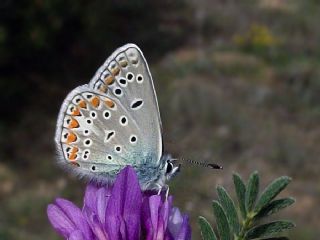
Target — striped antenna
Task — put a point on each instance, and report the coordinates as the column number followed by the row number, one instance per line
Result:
column 202, row 164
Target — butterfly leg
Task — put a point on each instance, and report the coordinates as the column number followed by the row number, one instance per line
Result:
column 159, row 188
column 162, row 188
column 167, row 191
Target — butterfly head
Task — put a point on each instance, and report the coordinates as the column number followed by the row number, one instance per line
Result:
column 169, row 168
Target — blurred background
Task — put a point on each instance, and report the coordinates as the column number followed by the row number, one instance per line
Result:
column 238, row 83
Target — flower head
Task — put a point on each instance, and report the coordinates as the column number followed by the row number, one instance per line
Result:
column 119, row 212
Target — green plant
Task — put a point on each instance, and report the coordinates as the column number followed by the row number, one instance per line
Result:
column 243, row 222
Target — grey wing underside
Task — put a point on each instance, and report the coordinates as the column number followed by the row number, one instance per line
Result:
column 90, row 126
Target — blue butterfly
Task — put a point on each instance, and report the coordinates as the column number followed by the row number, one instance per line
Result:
column 114, row 121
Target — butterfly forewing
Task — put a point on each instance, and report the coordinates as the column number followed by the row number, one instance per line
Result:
column 114, row 120
column 126, row 76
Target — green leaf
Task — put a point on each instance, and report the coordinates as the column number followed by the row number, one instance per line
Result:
column 241, row 193
column 252, row 191
column 269, row 229
column 229, row 208
column 221, row 220
column 207, row 232
column 274, row 206
column 272, row 191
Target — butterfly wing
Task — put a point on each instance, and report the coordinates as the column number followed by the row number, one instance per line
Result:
column 114, row 120
column 126, row 69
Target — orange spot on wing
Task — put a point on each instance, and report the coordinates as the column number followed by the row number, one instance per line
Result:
column 95, row 102
column 73, row 123
column 109, row 103
column 76, row 112
column 115, row 71
column 109, row 80
column 103, row 88
column 82, row 104
column 71, row 137
column 73, row 153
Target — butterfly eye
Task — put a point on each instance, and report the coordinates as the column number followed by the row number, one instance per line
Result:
column 93, row 168
column 139, row 78
column 169, row 167
column 109, row 157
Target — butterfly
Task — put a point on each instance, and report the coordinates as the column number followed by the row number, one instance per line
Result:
column 114, row 121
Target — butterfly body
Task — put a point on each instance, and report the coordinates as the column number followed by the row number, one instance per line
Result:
column 113, row 122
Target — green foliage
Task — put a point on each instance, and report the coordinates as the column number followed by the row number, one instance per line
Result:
column 252, row 191
column 272, row 191
column 242, row 222
column 222, row 221
column 268, row 229
column 230, row 209
column 206, row 229
column 241, row 193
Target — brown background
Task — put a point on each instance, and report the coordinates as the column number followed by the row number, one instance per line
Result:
column 238, row 83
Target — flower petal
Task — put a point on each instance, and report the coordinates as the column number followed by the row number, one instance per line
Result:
column 175, row 222
column 132, row 205
column 146, row 219
column 154, row 204
column 60, row 221
column 76, row 235
column 165, row 211
column 97, row 227
column 185, row 230
column 103, row 195
column 90, row 197
column 124, row 204
column 75, row 215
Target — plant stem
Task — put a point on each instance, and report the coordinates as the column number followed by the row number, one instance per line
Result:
column 247, row 223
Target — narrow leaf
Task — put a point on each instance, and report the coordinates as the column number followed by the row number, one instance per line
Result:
column 252, row 191
column 272, row 191
column 269, row 229
column 229, row 208
column 221, row 220
column 207, row 232
column 241, row 193
column 274, row 207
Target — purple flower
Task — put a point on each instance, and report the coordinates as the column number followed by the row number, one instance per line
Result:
column 119, row 212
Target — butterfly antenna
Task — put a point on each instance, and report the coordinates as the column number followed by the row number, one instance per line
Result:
column 202, row 164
